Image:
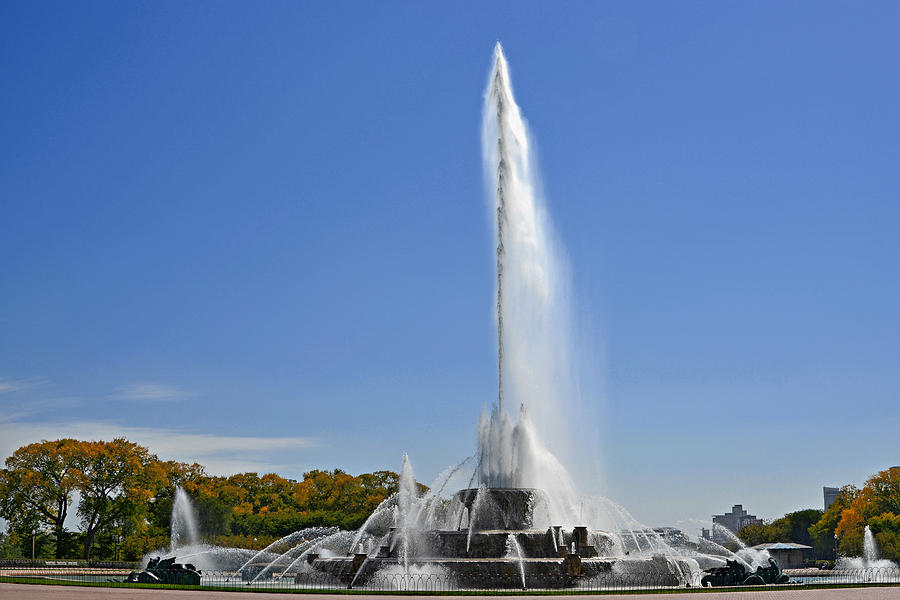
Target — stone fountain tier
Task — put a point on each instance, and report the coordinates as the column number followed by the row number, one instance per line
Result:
column 504, row 573
column 503, row 508
column 553, row 542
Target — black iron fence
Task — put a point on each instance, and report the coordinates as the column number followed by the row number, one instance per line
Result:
column 57, row 563
column 411, row 582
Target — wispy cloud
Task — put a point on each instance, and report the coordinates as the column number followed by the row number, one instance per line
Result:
column 7, row 386
column 221, row 455
column 146, row 392
column 13, row 411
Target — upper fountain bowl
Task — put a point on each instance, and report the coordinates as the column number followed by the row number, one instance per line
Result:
column 508, row 509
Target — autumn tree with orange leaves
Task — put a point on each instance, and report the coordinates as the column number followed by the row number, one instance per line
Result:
column 116, row 480
column 877, row 505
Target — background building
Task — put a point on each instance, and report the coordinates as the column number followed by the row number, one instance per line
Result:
column 831, row 494
column 736, row 519
column 732, row 521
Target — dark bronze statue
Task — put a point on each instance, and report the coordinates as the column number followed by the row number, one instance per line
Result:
column 166, row 571
column 734, row 573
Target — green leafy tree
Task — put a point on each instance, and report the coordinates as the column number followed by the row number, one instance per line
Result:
column 792, row 527
column 796, row 525
column 37, row 485
column 760, row 534
column 886, row 528
column 10, row 545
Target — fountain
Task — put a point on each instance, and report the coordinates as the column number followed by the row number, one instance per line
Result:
column 871, row 558
column 185, row 541
column 489, row 537
column 524, row 523
column 183, row 533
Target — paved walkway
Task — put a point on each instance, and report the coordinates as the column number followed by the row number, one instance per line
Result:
column 10, row 591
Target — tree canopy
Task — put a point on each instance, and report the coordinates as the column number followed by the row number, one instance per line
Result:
column 877, row 505
column 36, row 486
column 792, row 527
column 125, row 490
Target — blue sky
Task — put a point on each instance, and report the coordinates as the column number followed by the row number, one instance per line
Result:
column 255, row 235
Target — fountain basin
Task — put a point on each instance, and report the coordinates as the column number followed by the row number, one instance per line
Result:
column 506, row 573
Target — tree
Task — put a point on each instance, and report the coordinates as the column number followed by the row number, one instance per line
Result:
column 159, row 509
column 823, row 531
column 792, row 527
column 796, row 525
column 759, row 534
column 36, row 487
column 124, row 489
column 886, row 529
column 116, row 480
column 9, row 545
column 880, row 495
column 872, row 505
column 850, row 532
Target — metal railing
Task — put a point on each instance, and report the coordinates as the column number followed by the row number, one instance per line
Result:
column 53, row 563
column 433, row 583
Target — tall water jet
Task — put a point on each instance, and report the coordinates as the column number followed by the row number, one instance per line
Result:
column 406, row 497
column 870, row 549
column 525, row 261
column 532, row 308
column 183, row 529
column 871, row 557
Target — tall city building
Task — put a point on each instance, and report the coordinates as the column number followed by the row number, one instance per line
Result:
column 831, row 494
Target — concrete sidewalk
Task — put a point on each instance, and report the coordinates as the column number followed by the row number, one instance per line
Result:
column 11, row 591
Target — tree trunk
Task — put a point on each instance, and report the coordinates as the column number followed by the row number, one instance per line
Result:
column 59, row 523
column 60, row 546
column 89, row 533
column 89, row 542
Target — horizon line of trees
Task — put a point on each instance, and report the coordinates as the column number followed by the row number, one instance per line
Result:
column 125, row 494
column 840, row 529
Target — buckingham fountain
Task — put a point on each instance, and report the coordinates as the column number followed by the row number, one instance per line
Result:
column 514, row 525
column 510, row 515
